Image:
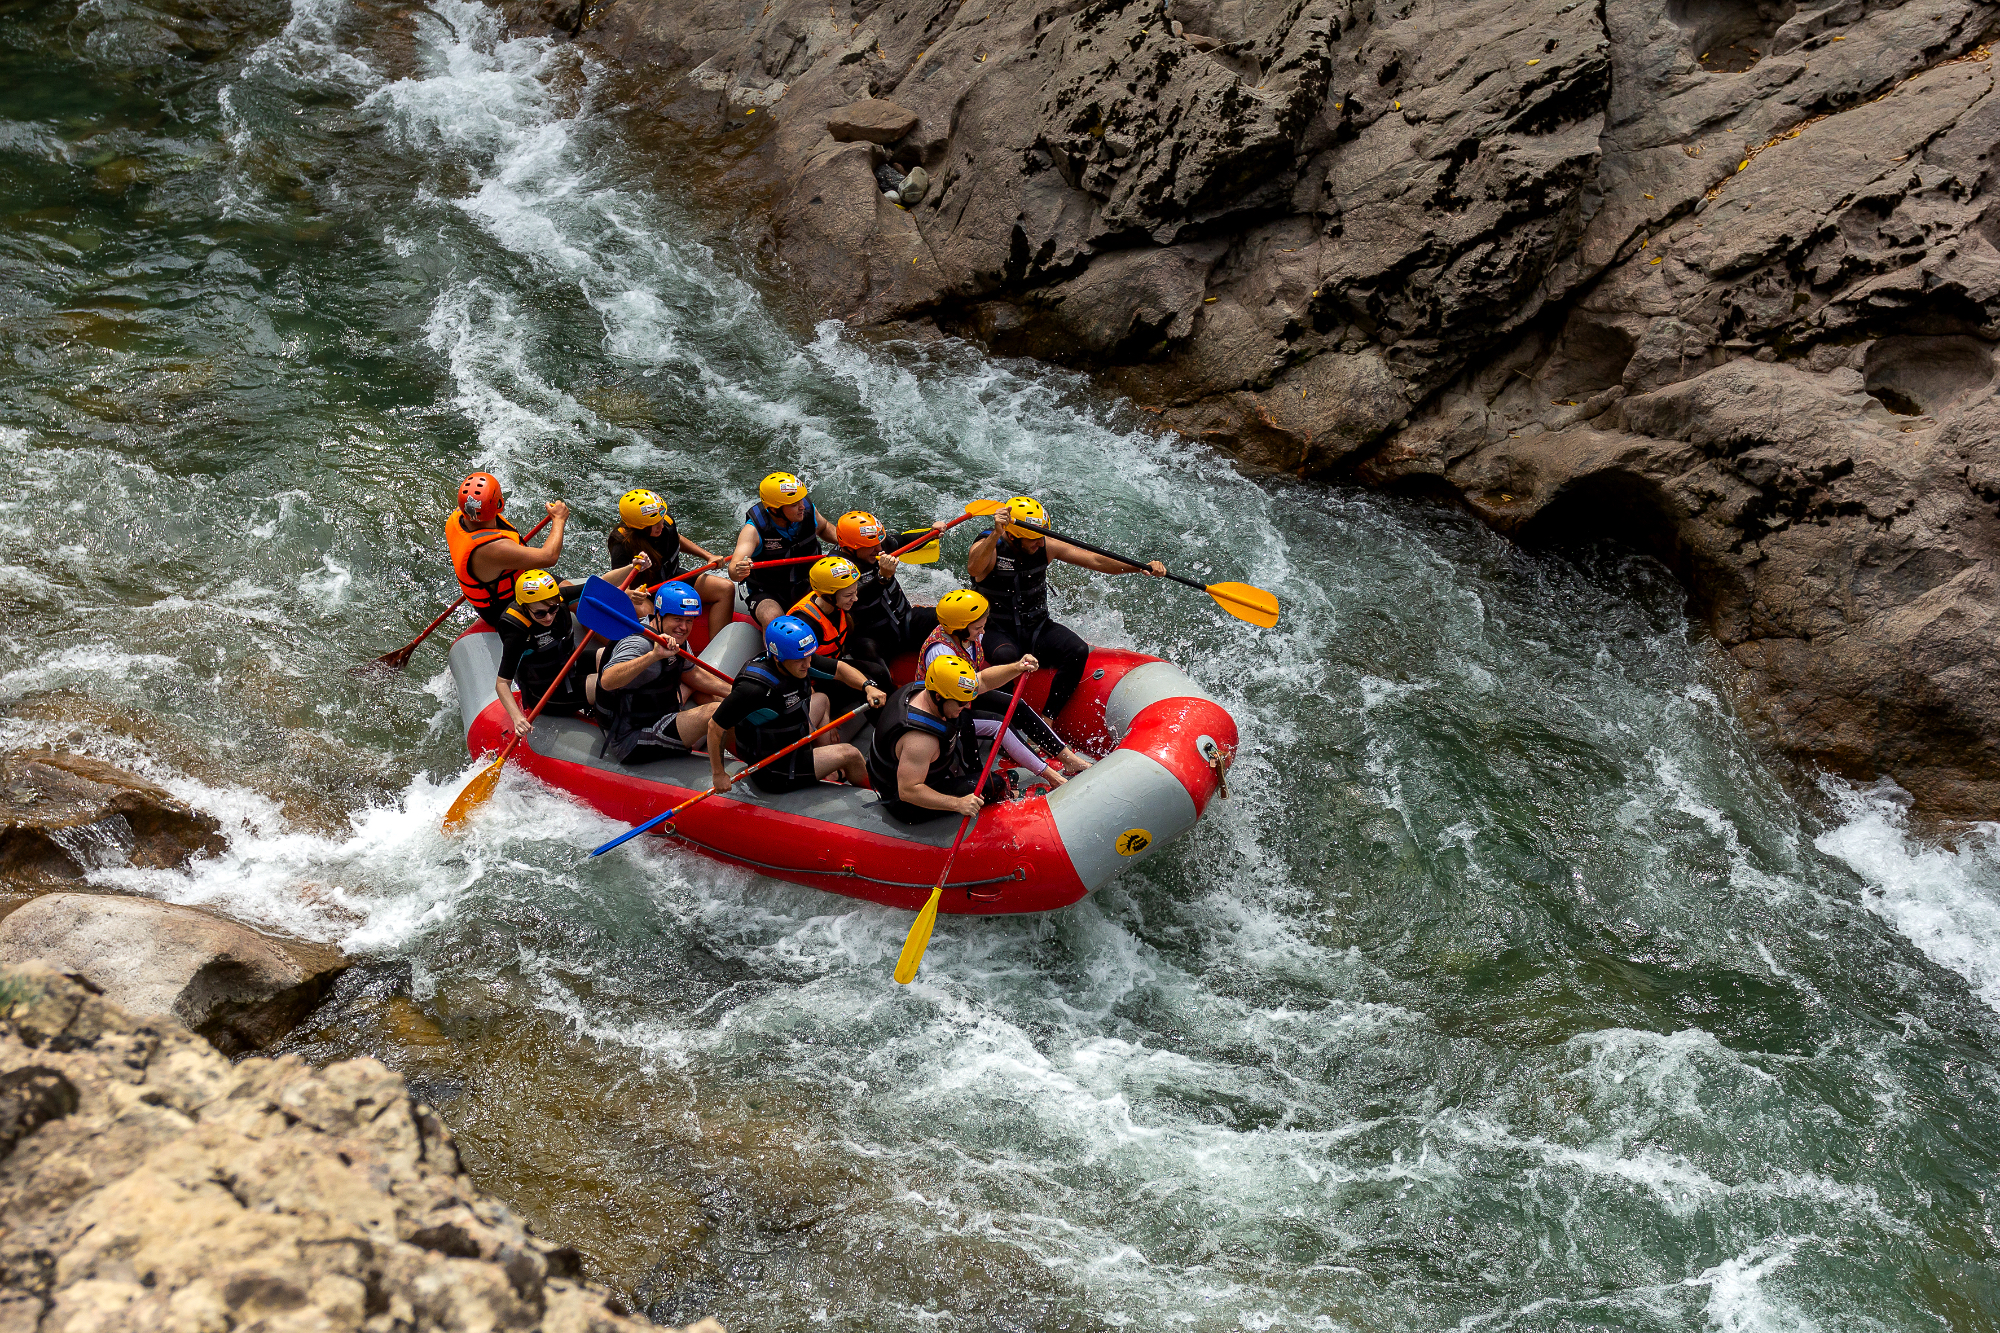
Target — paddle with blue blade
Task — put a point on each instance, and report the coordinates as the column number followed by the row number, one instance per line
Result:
column 605, row 609
column 698, row 797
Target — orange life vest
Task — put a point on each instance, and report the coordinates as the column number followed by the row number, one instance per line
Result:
column 832, row 636
column 463, row 541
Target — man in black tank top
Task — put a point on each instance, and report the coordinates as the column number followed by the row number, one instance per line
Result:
column 1010, row 566
column 924, row 757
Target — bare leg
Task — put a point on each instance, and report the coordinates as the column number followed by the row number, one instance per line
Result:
column 842, row 759
column 819, row 710
column 692, row 724
column 718, row 594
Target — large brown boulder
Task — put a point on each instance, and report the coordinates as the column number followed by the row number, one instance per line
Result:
column 149, row 1184
column 240, row 989
column 63, row 815
column 873, row 121
column 1585, row 267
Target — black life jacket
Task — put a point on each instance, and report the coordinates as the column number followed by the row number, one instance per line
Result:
column 1017, row 589
column 786, row 717
column 548, row 649
column 629, row 711
column 958, row 744
column 777, row 541
column 624, row 543
column 881, row 611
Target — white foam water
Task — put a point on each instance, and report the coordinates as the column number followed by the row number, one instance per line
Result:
column 1508, row 988
column 1945, row 900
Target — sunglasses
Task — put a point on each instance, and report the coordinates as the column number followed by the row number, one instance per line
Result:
column 540, row 609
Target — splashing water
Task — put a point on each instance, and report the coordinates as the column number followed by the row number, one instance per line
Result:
column 1511, row 989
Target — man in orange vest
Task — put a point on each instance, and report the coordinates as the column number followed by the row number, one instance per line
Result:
column 486, row 550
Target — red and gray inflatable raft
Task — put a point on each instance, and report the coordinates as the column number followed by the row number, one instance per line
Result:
column 1169, row 747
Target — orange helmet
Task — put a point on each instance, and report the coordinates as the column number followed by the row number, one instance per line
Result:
column 479, row 496
column 858, row 530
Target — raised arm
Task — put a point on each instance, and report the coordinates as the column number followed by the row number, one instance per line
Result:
column 979, row 564
column 1103, row 564
column 746, row 550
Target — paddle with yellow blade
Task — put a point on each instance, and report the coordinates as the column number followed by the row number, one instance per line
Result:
column 920, row 546
column 920, row 930
column 1241, row 600
column 477, row 791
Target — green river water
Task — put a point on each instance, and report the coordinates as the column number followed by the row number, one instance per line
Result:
column 1514, row 987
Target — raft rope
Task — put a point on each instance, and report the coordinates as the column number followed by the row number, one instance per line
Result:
column 847, row 872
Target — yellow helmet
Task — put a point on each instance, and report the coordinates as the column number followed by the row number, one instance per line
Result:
column 1025, row 507
column 781, row 489
column 641, row 509
column 959, row 608
column 952, row 677
column 831, row 574
column 535, row 585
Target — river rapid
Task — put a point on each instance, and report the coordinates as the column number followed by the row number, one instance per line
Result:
column 1513, row 986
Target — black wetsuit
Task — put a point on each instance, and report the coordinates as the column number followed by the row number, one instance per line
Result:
column 952, row 773
column 1017, row 593
column 885, row 624
column 665, row 549
column 768, row 709
column 532, row 655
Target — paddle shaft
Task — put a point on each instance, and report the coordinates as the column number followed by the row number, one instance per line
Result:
column 1139, row 565
column 805, row 559
column 930, row 533
column 965, row 824
column 665, row 815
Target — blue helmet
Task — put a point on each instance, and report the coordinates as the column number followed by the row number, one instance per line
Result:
column 789, row 639
column 676, row 599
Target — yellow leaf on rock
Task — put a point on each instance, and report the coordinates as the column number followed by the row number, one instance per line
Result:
column 1744, row 163
column 1534, row 62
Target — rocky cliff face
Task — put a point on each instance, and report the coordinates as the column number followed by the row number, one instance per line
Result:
column 147, row 1185
column 1716, row 274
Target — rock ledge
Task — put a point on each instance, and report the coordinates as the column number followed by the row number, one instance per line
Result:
column 147, row 1185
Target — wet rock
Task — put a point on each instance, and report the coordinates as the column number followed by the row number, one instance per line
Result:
column 1465, row 249
column 63, row 815
column 240, row 989
column 872, row 121
column 180, row 1191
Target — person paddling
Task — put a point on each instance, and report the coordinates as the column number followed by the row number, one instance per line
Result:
column 924, row 757
column 1009, row 565
column 774, row 704
column 886, row 624
column 835, row 584
column 649, row 712
column 486, row 550
column 782, row 525
column 645, row 526
column 537, row 636
column 961, row 632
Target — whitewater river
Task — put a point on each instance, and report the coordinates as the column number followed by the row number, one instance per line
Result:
column 1514, row 987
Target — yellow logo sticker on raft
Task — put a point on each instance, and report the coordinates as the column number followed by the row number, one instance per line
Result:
column 1133, row 841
